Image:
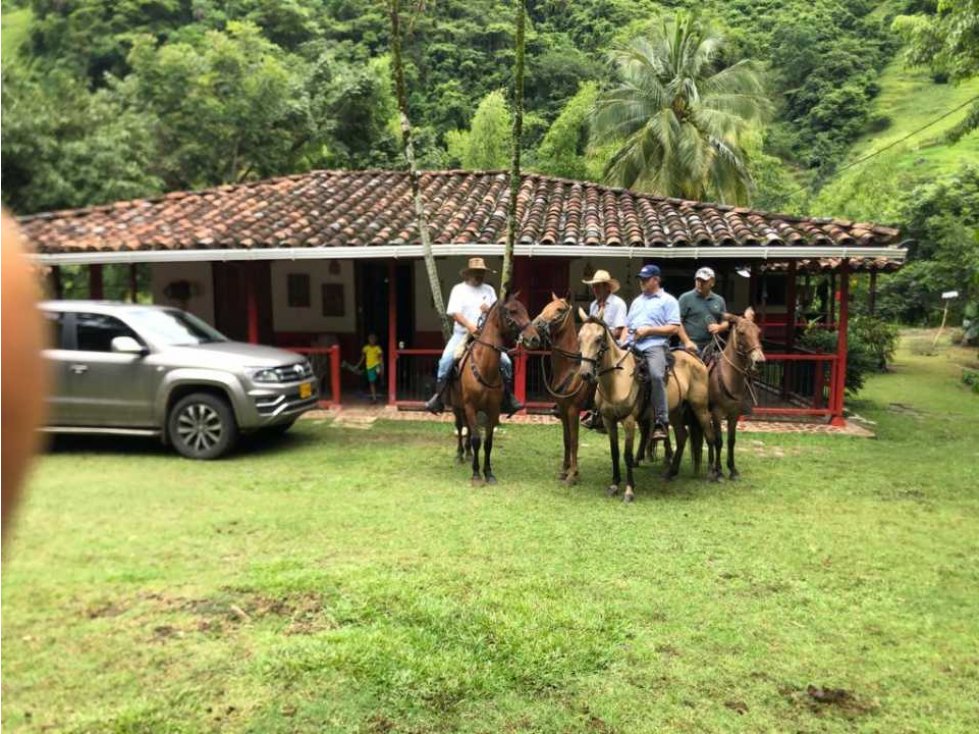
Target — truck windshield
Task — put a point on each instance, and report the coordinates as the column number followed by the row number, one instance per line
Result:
column 174, row 328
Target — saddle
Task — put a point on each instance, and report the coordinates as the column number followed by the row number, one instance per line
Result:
column 642, row 366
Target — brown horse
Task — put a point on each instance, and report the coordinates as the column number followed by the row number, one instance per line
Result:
column 728, row 380
column 556, row 326
column 620, row 396
column 480, row 384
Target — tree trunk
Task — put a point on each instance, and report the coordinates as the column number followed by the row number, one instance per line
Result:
column 511, row 234
column 397, row 67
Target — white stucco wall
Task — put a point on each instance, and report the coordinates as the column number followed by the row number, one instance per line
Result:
column 201, row 281
column 285, row 318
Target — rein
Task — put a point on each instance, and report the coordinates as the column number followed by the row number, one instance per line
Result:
column 573, row 356
column 508, row 326
column 746, row 374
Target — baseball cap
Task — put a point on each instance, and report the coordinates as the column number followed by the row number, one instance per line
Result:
column 704, row 274
column 648, row 271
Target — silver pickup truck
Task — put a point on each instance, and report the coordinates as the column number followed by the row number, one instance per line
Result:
column 155, row 371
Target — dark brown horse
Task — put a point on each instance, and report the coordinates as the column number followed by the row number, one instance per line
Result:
column 556, row 326
column 480, row 384
column 728, row 382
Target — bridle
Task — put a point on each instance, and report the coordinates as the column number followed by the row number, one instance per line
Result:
column 603, row 349
column 509, row 326
column 740, row 352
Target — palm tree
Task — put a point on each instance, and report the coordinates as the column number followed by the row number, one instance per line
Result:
column 680, row 114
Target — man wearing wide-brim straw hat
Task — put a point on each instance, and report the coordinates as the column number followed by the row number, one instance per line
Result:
column 468, row 301
column 613, row 310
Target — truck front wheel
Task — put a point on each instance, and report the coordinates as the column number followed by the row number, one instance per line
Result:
column 202, row 426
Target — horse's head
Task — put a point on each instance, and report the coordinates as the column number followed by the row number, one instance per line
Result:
column 747, row 338
column 593, row 339
column 516, row 323
column 549, row 321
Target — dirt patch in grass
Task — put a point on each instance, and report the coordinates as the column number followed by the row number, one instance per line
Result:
column 827, row 701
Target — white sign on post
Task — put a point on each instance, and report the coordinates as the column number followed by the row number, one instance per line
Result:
column 948, row 295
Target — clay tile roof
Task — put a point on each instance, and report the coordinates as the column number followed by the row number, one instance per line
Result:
column 374, row 208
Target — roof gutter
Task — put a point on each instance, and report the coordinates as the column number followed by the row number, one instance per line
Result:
column 751, row 252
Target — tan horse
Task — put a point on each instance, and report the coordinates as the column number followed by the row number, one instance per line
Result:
column 556, row 326
column 620, row 396
column 480, row 384
column 728, row 380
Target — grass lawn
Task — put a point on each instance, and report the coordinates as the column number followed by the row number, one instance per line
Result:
column 348, row 580
column 14, row 27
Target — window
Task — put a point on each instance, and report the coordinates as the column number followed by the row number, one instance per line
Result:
column 297, row 286
column 95, row 332
column 333, row 299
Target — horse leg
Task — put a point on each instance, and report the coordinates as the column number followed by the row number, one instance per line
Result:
column 566, row 436
column 732, row 430
column 474, row 442
column 717, row 447
column 460, row 450
column 680, row 430
column 574, row 423
column 488, row 449
column 612, row 427
column 630, row 437
column 696, row 444
column 644, row 444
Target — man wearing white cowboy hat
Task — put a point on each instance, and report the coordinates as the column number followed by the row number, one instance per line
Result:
column 613, row 310
column 702, row 314
column 468, row 301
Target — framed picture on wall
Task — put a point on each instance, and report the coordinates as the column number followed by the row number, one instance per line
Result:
column 333, row 299
column 297, row 287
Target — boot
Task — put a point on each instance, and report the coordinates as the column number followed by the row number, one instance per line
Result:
column 660, row 433
column 435, row 404
column 510, row 404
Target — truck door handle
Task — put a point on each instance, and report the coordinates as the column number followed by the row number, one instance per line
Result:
column 79, row 369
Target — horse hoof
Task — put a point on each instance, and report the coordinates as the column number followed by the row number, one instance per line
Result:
column 562, row 476
column 629, row 497
column 490, row 479
column 459, row 459
column 735, row 476
column 613, row 490
column 571, row 480
column 476, row 482
column 667, row 477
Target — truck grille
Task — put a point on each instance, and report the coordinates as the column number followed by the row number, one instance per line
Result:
column 294, row 372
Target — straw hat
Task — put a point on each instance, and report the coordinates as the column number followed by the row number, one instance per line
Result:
column 475, row 263
column 602, row 276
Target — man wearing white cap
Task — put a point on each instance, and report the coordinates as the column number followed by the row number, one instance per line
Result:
column 468, row 301
column 702, row 313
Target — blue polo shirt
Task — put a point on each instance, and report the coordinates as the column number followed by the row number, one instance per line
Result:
column 658, row 309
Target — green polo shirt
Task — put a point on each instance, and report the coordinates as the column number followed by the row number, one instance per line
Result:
column 697, row 312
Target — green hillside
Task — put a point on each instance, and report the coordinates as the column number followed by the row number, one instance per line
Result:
column 14, row 31
column 909, row 100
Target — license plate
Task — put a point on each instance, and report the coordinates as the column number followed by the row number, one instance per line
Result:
column 305, row 390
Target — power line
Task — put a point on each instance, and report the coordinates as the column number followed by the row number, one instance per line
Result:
column 910, row 134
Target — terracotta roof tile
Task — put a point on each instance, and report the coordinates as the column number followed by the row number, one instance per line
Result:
column 373, row 208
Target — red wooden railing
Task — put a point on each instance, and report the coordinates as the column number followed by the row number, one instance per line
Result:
column 326, row 367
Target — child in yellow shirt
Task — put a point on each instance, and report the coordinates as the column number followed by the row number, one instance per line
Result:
column 372, row 357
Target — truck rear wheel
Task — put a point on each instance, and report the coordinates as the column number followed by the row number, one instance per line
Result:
column 202, row 426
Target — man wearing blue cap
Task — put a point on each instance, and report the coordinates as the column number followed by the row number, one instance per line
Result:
column 653, row 318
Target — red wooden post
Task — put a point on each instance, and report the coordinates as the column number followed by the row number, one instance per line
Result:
column 520, row 377
column 788, row 371
column 95, row 291
column 392, row 332
column 832, row 298
column 251, row 303
column 841, row 346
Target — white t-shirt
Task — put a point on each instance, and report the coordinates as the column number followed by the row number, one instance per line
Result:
column 615, row 311
column 467, row 300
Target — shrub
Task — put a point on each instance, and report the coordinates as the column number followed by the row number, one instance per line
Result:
column 878, row 123
column 970, row 378
column 870, row 343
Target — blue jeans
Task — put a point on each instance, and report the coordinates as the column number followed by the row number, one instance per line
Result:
column 656, row 360
column 448, row 357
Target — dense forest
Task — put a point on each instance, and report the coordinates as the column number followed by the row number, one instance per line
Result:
column 113, row 99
